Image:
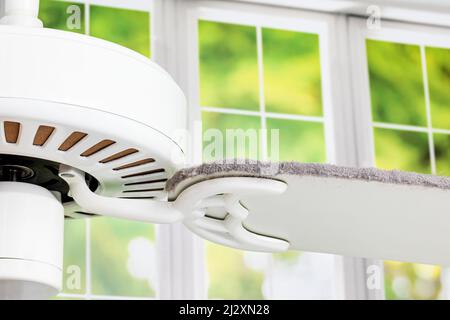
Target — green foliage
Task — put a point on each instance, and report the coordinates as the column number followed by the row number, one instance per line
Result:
column 128, row 28
column 442, row 153
column 55, row 14
column 402, row 150
column 292, row 78
column 229, row 277
column 299, row 140
column 396, row 85
column 411, row 281
column 228, row 66
column 222, row 122
column 438, row 66
column 74, row 256
column 110, row 239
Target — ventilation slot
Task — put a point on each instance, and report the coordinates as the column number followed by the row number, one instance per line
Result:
column 143, row 173
column 143, row 190
column 12, row 130
column 86, row 214
column 42, row 135
column 72, row 140
column 137, row 197
column 144, row 182
column 98, row 147
column 134, row 164
column 119, row 155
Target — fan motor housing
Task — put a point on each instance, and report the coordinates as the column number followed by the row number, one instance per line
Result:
column 90, row 104
column 67, row 99
column 69, row 68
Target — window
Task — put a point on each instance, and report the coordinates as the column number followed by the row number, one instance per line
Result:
column 265, row 77
column 333, row 89
column 105, row 257
column 408, row 71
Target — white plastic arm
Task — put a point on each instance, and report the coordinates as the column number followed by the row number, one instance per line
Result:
column 226, row 192
column 153, row 211
column 190, row 206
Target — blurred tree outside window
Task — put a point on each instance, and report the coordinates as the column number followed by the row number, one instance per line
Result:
column 398, row 98
column 67, row 16
column 230, row 81
column 130, row 268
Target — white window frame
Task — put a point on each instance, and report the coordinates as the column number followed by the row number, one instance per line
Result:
column 399, row 32
column 261, row 17
column 350, row 272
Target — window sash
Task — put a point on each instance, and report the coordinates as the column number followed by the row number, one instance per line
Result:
column 399, row 32
column 390, row 31
column 336, row 107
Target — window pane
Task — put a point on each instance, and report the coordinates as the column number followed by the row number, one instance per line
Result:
column 396, row 83
column 123, row 258
column 397, row 92
column 406, row 151
column 292, row 85
column 292, row 81
column 299, row 140
column 74, row 267
column 67, row 16
column 128, row 28
column 438, row 66
column 228, row 66
column 442, row 154
column 411, row 280
column 224, row 132
column 402, row 150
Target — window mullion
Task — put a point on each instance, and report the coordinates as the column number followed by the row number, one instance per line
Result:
column 181, row 253
column 428, row 108
column 262, row 107
column 351, row 116
column 88, row 262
